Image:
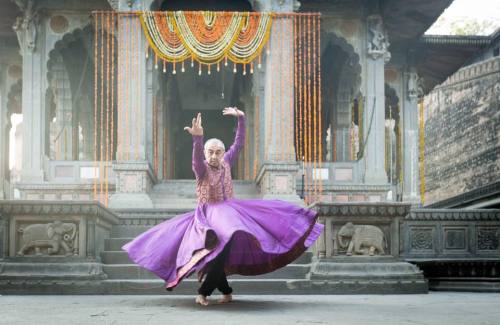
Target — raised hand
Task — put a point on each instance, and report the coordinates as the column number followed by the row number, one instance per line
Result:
column 233, row 111
column 196, row 128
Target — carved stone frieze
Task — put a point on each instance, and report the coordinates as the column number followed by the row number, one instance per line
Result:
column 458, row 215
column 10, row 207
column 362, row 209
column 421, row 239
column 488, row 238
column 360, row 240
column 55, row 238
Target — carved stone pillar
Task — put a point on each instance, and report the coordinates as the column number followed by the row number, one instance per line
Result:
column 411, row 191
column 133, row 170
column 28, row 28
column 276, row 177
column 4, row 145
column 374, row 112
column 63, row 140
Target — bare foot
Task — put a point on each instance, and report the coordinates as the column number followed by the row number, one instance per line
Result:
column 202, row 300
column 226, row 298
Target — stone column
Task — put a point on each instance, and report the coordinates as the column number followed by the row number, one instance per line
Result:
column 342, row 122
column 411, row 192
column 374, row 111
column 278, row 169
column 4, row 122
column 30, row 37
column 63, row 140
column 134, row 173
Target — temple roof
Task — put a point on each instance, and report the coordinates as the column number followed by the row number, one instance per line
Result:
column 439, row 56
column 407, row 20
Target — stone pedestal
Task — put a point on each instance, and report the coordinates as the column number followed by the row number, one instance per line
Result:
column 363, row 275
column 359, row 251
column 277, row 181
column 134, row 180
column 42, row 243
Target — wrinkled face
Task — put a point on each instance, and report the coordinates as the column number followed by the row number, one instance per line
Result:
column 214, row 154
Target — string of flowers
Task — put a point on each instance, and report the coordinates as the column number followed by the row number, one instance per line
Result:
column 207, row 37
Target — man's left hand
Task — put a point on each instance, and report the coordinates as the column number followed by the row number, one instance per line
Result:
column 233, row 111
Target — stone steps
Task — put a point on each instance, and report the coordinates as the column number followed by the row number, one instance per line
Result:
column 121, row 257
column 132, row 271
column 251, row 286
column 125, row 277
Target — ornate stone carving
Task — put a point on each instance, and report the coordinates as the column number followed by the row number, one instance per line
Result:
column 362, row 239
column 421, row 239
column 53, row 236
column 59, row 24
column 357, row 209
column 25, row 26
column 114, row 4
column 25, row 207
column 378, row 42
column 450, row 215
column 415, row 86
column 488, row 238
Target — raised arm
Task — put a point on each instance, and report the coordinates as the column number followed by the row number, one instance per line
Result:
column 199, row 167
column 196, row 130
column 239, row 139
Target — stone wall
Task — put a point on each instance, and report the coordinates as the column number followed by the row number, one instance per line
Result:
column 462, row 128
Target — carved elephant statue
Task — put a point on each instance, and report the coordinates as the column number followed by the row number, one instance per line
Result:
column 362, row 239
column 52, row 235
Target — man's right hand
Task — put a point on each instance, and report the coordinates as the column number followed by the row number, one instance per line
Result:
column 196, row 128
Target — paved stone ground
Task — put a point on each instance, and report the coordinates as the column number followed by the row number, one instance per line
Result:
column 435, row 308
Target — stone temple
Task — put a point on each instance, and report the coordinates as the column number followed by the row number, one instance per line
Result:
column 409, row 175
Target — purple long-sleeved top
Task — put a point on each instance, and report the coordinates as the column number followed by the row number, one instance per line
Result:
column 214, row 184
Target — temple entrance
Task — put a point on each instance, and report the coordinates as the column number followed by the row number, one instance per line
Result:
column 187, row 93
column 194, row 89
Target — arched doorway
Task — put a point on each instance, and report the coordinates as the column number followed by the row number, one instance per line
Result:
column 341, row 78
column 70, row 99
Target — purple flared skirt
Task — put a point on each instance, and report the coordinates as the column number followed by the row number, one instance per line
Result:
column 264, row 234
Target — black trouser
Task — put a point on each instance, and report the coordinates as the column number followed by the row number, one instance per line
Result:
column 216, row 277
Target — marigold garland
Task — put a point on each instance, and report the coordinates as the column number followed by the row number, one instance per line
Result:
column 207, row 37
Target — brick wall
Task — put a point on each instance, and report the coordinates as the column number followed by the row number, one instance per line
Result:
column 462, row 132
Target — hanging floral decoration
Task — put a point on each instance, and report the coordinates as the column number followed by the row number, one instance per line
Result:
column 206, row 36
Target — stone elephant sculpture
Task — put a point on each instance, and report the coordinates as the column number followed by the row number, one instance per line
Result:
column 362, row 239
column 52, row 235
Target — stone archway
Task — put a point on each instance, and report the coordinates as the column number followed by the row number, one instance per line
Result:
column 341, row 79
column 70, row 98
